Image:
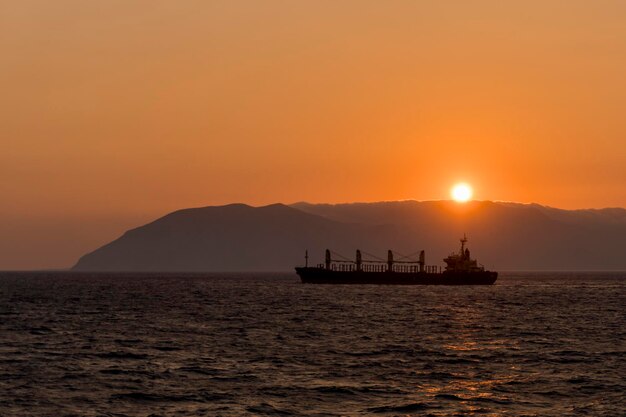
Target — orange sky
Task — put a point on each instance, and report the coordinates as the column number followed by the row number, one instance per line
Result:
column 114, row 112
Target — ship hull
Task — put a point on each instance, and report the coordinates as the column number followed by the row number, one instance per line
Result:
column 314, row 275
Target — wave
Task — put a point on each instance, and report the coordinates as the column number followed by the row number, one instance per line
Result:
column 405, row 408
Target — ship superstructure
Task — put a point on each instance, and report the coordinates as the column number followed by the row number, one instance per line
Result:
column 461, row 261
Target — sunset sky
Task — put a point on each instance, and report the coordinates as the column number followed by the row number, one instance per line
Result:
column 115, row 112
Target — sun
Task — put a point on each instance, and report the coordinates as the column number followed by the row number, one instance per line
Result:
column 461, row 192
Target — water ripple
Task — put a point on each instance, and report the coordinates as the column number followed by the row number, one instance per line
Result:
column 263, row 344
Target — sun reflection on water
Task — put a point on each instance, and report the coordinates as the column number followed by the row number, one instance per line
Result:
column 476, row 389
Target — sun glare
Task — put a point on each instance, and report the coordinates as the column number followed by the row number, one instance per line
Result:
column 461, row 192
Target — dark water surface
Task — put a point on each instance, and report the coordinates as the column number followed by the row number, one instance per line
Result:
column 264, row 344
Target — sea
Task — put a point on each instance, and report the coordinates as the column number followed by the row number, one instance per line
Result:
column 533, row 344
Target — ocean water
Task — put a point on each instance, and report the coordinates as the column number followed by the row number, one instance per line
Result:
column 550, row 344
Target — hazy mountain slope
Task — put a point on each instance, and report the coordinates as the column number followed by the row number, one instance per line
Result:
column 243, row 238
column 503, row 235
column 228, row 238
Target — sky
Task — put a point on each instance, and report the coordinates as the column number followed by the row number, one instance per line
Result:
column 115, row 112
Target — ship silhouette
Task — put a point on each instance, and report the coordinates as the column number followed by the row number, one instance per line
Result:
column 460, row 269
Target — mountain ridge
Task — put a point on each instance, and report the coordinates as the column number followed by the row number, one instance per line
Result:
column 239, row 237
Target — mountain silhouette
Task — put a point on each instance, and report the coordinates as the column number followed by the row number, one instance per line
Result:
column 239, row 237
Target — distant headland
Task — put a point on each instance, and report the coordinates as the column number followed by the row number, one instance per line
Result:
column 239, row 237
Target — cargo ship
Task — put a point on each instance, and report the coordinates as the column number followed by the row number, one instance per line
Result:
column 460, row 269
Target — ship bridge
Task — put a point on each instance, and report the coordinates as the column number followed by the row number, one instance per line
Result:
column 461, row 261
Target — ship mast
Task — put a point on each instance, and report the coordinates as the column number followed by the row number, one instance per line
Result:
column 463, row 242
